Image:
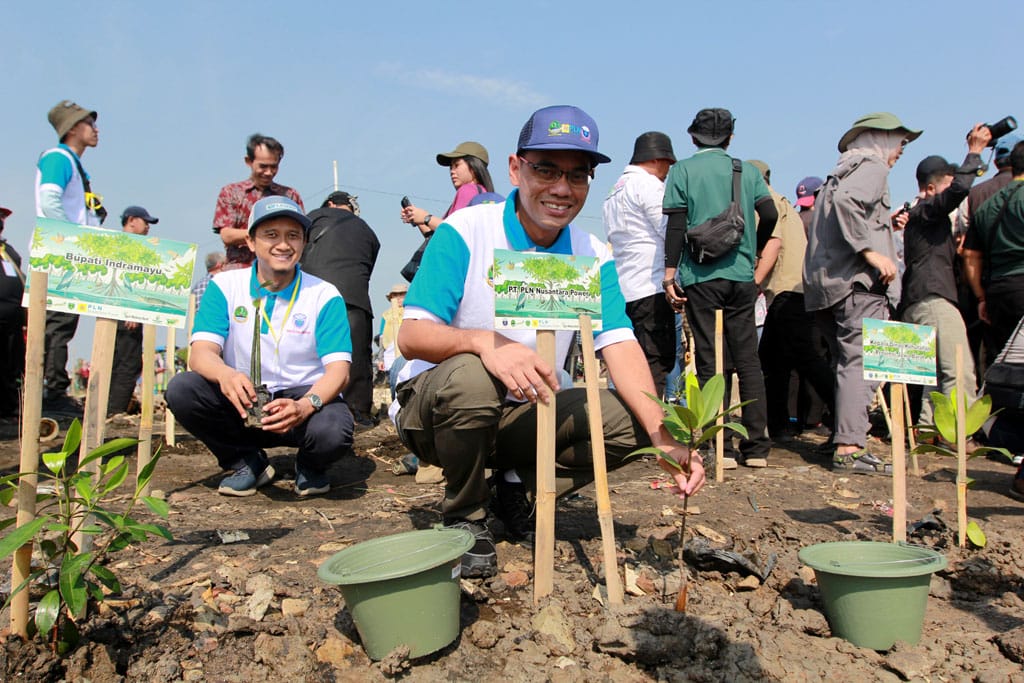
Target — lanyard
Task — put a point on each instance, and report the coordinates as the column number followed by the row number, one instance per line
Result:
column 287, row 312
column 255, row 361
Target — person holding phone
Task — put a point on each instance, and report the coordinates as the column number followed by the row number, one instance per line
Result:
column 467, row 165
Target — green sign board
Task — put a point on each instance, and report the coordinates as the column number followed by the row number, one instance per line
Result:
column 113, row 274
column 899, row 352
column 545, row 291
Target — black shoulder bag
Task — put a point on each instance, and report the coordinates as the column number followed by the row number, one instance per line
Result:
column 100, row 211
column 718, row 236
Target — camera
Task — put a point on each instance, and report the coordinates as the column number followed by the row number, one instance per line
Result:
column 1000, row 128
column 254, row 413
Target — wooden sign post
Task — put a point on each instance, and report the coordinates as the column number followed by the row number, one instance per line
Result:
column 899, row 466
column 31, row 414
column 719, row 370
column 544, row 543
column 604, row 504
column 169, row 425
column 146, row 420
column 961, row 450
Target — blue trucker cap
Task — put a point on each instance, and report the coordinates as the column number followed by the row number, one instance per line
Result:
column 271, row 207
column 561, row 127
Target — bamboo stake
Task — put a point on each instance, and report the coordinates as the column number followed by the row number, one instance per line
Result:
column 168, row 375
column 96, row 395
column 910, row 433
column 146, row 421
column 31, row 414
column 880, row 395
column 544, row 543
column 899, row 467
column 719, row 370
column 961, row 450
column 604, row 504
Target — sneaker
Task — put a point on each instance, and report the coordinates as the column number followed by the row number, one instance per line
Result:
column 860, row 462
column 480, row 561
column 514, row 510
column 310, row 482
column 244, row 481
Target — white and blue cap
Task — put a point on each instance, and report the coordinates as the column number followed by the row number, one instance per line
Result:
column 561, row 127
column 272, row 207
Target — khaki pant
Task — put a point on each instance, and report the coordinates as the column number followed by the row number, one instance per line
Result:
column 455, row 416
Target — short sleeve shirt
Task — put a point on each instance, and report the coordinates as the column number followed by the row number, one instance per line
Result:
column 234, row 203
column 702, row 185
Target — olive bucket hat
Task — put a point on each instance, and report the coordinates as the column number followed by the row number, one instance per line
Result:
column 882, row 120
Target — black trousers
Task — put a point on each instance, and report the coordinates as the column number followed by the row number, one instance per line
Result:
column 359, row 392
column 1004, row 300
column 791, row 341
column 12, row 364
column 654, row 324
column 126, row 368
column 736, row 300
column 60, row 329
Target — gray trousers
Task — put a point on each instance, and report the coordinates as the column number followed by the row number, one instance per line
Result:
column 455, row 416
column 842, row 326
column 949, row 332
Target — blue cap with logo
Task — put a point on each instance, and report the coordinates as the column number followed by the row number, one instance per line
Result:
column 561, row 127
column 272, row 207
column 1005, row 146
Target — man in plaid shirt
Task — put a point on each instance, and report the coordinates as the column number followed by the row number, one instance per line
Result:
column 263, row 156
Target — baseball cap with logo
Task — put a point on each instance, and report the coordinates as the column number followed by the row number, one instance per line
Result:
column 272, row 207
column 805, row 190
column 561, row 127
column 65, row 115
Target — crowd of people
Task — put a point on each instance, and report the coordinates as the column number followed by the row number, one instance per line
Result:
column 281, row 352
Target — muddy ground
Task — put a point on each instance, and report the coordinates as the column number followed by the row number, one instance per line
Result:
column 249, row 607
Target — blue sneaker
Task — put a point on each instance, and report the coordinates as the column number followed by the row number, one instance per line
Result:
column 310, row 483
column 244, row 481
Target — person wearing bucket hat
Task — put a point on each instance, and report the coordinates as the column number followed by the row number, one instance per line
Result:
column 635, row 226
column 467, row 395
column 850, row 271
column 698, row 191
column 467, row 166
column 930, row 295
column 271, row 344
column 342, row 249
column 64, row 193
column 12, row 326
column 127, row 363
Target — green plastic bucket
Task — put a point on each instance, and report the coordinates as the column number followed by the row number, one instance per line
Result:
column 874, row 593
column 402, row 589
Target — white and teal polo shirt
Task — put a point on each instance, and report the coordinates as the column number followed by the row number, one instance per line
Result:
column 315, row 334
column 57, row 169
column 451, row 286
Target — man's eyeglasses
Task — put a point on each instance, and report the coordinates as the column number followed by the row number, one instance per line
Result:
column 550, row 174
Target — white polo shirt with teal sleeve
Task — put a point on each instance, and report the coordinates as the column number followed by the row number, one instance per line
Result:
column 295, row 352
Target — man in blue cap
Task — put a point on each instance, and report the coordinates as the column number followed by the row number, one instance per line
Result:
column 467, row 397
column 289, row 328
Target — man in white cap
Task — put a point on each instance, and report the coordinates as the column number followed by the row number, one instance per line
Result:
column 269, row 331
column 64, row 193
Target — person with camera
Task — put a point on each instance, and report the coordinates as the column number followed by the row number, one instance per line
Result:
column 929, row 251
column 850, row 271
column 270, row 356
column 699, row 191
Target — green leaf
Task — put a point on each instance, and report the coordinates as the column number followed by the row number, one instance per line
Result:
column 985, row 450
column 738, row 428
column 714, row 392
column 649, row 450
column 975, row 535
column 159, row 506
column 117, row 478
column 47, row 611
column 10, row 521
column 6, row 496
column 108, row 448
column 923, row 448
column 73, row 437
column 687, row 417
column 945, row 418
column 72, row 585
column 692, row 393
column 147, row 472
column 106, row 577
column 156, row 530
column 85, row 490
column 110, row 465
column 54, row 461
column 20, row 536
column 978, row 413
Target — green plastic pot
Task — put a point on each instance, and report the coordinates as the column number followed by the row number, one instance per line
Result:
column 874, row 593
column 402, row 589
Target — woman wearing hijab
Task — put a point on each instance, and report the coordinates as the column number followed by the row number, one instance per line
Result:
column 467, row 165
column 850, row 271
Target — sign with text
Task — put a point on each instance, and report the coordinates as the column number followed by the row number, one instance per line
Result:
column 545, row 291
column 112, row 274
column 899, row 352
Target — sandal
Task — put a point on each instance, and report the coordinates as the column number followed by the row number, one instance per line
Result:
column 860, row 462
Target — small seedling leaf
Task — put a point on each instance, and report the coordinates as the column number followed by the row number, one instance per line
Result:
column 975, row 535
column 47, row 611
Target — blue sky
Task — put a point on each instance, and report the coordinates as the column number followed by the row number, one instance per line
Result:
column 382, row 87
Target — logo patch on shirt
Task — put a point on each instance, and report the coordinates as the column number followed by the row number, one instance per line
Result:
column 241, row 314
column 300, row 320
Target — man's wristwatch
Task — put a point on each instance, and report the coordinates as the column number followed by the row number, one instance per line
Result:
column 667, row 283
column 429, row 217
column 315, row 401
